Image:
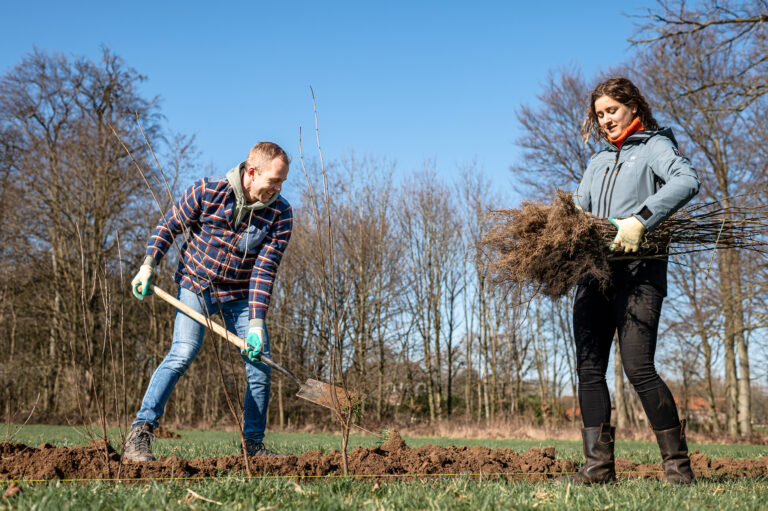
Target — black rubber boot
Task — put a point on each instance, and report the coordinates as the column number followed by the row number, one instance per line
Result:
column 257, row 449
column 138, row 445
column 674, row 455
column 600, row 467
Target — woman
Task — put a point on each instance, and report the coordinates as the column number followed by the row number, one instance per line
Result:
column 638, row 180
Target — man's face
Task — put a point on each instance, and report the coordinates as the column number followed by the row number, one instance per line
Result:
column 261, row 184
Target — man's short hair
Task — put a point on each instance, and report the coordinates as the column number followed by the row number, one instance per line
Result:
column 263, row 153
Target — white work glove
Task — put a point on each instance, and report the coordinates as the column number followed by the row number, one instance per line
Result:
column 630, row 234
column 141, row 282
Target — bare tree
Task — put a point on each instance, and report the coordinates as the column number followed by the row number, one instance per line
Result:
column 428, row 225
column 371, row 255
column 703, row 103
column 78, row 184
column 738, row 28
column 564, row 307
column 697, row 317
column 554, row 155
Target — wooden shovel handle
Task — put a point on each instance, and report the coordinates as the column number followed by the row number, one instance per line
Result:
column 200, row 318
column 220, row 330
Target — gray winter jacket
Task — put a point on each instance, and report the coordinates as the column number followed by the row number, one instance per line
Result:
column 647, row 178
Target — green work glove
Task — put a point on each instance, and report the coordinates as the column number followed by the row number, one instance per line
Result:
column 141, row 282
column 630, row 233
column 255, row 340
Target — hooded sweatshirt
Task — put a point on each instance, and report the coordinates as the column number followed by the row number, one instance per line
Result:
column 242, row 208
column 234, row 260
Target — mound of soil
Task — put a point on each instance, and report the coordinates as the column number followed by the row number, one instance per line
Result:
column 163, row 432
column 393, row 459
column 394, row 442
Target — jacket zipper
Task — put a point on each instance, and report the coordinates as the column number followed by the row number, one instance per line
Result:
column 602, row 185
column 610, row 197
column 611, row 175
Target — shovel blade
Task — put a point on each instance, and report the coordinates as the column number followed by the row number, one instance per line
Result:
column 322, row 394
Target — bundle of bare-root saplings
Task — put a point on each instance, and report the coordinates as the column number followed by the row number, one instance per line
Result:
column 549, row 247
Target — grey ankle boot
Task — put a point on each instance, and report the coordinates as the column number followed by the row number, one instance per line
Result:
column 138, row 445
column 674, row 455
column 598, row 450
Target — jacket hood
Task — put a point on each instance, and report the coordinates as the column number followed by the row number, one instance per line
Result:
column 235, row 179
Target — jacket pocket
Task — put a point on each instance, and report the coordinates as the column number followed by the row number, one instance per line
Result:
column 250, row 239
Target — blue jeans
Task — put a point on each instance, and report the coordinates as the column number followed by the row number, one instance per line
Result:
column 187, row 341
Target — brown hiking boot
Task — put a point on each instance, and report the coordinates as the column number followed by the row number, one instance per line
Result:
column 600, row 467
column 674, row 455
column 138, row 445
column 257, row 449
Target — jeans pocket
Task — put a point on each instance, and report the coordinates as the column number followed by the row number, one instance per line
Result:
column 250, row 239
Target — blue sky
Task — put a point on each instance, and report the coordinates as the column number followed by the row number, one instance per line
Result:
column 408, row 81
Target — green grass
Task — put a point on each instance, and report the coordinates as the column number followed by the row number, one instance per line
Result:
column 462, row 493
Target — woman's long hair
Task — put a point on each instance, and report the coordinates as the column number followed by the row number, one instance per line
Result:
column 623, row 91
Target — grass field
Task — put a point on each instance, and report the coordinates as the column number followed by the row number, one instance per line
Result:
column 459, row 493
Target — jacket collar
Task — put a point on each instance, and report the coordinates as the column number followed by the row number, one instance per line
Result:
column 641, row 137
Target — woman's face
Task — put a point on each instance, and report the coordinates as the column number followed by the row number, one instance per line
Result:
column 613, row 116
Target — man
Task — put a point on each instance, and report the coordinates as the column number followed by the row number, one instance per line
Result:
column 236, row 229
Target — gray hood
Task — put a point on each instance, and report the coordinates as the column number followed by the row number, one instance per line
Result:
column 235, row 178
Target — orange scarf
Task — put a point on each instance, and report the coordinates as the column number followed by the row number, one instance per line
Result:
column 635, row 125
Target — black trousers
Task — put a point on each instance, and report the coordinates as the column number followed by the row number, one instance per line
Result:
column 632, row 309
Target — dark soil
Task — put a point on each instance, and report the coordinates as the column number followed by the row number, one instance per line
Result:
column 163, row 432
column 393, row 459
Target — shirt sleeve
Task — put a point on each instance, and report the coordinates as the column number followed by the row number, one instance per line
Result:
column 184, row 214
column 681, row 183
column 267, row 262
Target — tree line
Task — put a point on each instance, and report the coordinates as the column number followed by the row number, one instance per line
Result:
column 422, row 332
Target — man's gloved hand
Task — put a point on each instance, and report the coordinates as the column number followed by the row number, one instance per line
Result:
column 255, row 340
column 630, row 233
column 141, row 282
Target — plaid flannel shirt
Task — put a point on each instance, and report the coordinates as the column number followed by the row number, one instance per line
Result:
column 235, row 262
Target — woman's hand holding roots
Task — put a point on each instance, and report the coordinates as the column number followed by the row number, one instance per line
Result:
column 549, row 247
